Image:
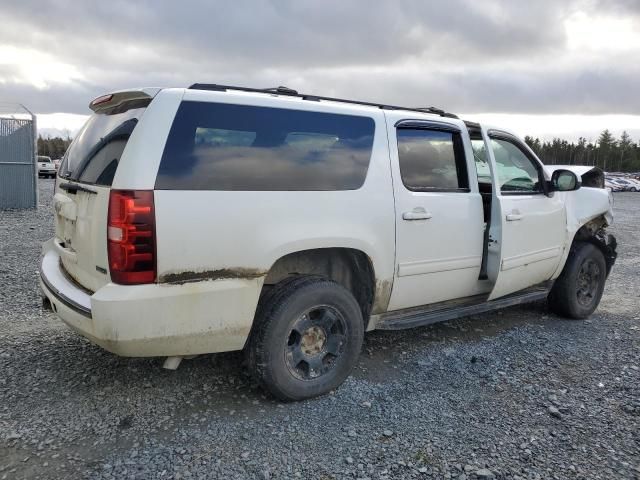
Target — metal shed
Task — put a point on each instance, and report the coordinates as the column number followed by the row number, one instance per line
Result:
column 18, row 166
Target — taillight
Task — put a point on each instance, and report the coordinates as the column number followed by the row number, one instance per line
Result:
column 131, row 237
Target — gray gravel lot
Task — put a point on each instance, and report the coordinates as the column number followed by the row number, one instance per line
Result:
column 514, row 394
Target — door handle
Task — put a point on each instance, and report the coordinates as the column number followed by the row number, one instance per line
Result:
column 512, row 217
column 416, row 215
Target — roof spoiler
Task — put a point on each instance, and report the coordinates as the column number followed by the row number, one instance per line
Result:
column 111, row 100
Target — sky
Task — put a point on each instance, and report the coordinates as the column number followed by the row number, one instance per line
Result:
column 544, row 68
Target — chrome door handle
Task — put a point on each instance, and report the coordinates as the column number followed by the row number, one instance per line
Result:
column 512, row 217
column 416, row 215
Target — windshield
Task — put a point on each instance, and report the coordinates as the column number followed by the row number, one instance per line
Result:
column 94, row 154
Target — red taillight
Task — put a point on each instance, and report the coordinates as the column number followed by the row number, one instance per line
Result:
column 131, row 237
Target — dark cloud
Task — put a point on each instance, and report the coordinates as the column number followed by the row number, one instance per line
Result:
column 616, row 7
column 464, row 55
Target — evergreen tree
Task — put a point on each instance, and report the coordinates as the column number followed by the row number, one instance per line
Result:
column 606, row 144
column 53, row 147
column 625, row 145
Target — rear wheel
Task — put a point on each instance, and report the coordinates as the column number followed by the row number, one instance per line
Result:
column 578, row 290
column 307, row 338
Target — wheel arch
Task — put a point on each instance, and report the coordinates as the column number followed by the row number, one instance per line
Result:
column 594, row 232
column 349, row 267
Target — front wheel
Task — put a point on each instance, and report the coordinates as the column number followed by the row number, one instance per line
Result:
column 306, row 339
column 578, row 290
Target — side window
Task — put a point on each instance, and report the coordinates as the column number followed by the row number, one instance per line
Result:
column 216, row 146
column 516, row 171
column 481, row 161
column 431, row 160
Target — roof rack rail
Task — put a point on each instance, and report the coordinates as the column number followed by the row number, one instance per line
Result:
column 293, row 93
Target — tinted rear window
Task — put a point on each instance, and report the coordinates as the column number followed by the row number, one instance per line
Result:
column 94, row 154
column 214, row 146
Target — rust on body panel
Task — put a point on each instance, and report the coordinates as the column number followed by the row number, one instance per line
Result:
column 189, row 276
column 382, row 296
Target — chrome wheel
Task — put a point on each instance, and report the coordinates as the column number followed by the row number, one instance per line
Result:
column 315, row 342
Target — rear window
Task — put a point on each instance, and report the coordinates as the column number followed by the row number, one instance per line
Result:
column 94, row 154
column 214, row 146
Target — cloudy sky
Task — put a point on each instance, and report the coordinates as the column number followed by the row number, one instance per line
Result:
column 543, row 67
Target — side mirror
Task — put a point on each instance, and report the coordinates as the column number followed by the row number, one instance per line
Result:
column 564, row 181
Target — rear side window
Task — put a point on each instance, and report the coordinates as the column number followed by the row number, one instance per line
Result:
column 432, row 160
column 215, row 146
column 94, row 155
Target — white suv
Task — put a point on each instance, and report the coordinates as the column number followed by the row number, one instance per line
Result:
column 218, row 218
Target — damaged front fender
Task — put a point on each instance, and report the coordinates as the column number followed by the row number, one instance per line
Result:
column 589, row 212
column 594, row 232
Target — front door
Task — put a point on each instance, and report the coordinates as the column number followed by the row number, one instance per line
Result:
column 439, row 221
column 528, row 227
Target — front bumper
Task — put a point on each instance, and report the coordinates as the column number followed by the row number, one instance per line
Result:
column 155, row 319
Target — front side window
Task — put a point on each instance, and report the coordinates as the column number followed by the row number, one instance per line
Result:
column 516, row 171
column 482, row 162
column 431, row 160
column 216, row 146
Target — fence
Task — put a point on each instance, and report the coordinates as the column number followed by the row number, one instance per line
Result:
column 18, row 167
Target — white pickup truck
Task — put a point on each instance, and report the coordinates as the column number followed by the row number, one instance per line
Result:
column 217, row 218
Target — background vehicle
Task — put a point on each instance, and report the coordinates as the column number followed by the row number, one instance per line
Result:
column 287, row 225
column 614, row 186
column 46, row 168
column 627, row 184
column 634, row 185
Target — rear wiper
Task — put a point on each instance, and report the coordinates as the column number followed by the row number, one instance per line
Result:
column 73, row 188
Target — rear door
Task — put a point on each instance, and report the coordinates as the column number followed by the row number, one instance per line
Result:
column 528, row 228
column 81, row 197
column 439, row 220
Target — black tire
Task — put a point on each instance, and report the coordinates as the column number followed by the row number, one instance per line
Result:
column 306, row 339
column 578, row 290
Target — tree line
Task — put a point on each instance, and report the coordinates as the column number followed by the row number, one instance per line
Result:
column 608, row 153
column 53, row 147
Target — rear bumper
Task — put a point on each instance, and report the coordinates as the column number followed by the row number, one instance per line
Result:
column 156, row 319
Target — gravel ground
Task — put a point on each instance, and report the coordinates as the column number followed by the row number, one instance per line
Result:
column 514, row 394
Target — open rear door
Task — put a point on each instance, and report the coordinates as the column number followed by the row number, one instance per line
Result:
column 528, row 227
